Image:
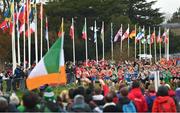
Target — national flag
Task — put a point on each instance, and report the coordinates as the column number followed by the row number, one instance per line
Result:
column 159, row 39
column 32, row 28
column 50, row 69
column 4, row 25
column 71, row 32
column 84, row 32
column 119, row 34
column 143, row 41
column 102, row 32
column 152, row 37
column 22, row 28
column 139, row 36
column 126, row 34
column 46, row 35
column 61, row 31
column 166, row 36
column 148, row 39
column 95, row 32
column 132, row 34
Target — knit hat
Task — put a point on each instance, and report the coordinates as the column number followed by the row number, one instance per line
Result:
column 49, row 94
column 14, row 99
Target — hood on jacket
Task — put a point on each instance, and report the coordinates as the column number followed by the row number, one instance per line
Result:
column 162, row 99
column 136, row 92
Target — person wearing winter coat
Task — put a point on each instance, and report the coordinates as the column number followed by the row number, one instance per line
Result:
column 150, row 97
column 125, row 101
column 163, row 102
column 137, row 97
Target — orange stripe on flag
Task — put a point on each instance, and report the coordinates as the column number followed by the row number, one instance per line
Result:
column 53, row 78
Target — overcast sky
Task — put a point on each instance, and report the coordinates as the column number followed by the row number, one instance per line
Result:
column 167, row 6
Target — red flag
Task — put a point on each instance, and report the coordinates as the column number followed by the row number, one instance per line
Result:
column 84, row 34
column 71, row 32
column 4, row 26
column 152, row 37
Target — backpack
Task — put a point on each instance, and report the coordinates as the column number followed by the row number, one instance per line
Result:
column 129, row 108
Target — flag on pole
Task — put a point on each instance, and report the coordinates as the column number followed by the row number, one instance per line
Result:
column 126, row 34
column 50, row 69
column 140, row 35
column 165, row 36
column 71, row 32
column 95, row 32
column 152, row 37
column 84, row 33
column 60, row 33
column 102, row 33
column 143, row 41
column 159, row 39
column 132, row 34
column 46, row 35
column 32, row 28
column 4, row 26
column 119, row 34
column 149, row 39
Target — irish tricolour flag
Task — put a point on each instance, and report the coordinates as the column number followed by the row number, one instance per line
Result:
column 50, row 68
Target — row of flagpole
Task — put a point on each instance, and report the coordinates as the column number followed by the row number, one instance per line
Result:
column 119, row 34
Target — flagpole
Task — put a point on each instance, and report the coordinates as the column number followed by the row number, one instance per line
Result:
column 160, row 43
column 36, row 40
column 86, row 42
column 47, row 39
column 41, row 28
column 150, row 45
column 135, row 45
column 121, row 42
column 13, row 42
column 165, row 45
column 155, row 46
column 74, row 54
column 18, row 36
column 168, row 45
column 29, row 36
column 24, row 39
column 95, row 31
column 139, row 46
column 144, row 42
column 128, row 42
column 103, row 38
column 112, row 41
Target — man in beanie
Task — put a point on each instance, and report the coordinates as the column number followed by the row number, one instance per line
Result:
column 50, row 104
column 49, row 94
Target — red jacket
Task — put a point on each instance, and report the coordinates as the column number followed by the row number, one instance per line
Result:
column 164, row 104
column 137, row 97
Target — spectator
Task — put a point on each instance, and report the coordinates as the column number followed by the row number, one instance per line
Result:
column 109, row 106
column 177, row 97
column 150, row 97
column 79, row 105
column 29, row 104
column 125, row 104
column 3, row 104
column 137, row 97
column 50, row 103
column 163, row 102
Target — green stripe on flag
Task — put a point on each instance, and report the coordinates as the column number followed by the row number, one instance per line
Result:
column 52, row 58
